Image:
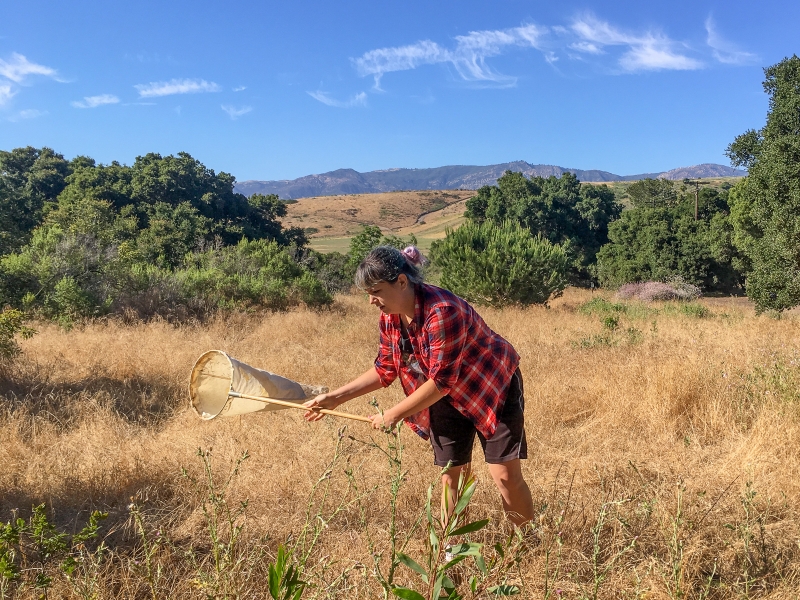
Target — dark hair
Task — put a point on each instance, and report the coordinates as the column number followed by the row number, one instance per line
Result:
column 386, row 263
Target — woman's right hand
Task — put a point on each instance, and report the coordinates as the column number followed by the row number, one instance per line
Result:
column 321, row 401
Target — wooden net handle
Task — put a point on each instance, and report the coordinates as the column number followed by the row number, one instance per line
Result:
column 324, row 411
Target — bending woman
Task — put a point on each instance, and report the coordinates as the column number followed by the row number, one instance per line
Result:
column 460, row 377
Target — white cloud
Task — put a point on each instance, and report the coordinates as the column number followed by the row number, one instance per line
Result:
column 359, row 99
column 241, row 88
column 235, row 113
column 175, row 86
column 18, row 68
column 95, row 101
column 468, row 56
column 652, row 55
column 646, row 52
column 29, row 113
column 724, row 51
column 587, row 47
column 6, row 93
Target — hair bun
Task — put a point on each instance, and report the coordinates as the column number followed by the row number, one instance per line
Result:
column 413, row 256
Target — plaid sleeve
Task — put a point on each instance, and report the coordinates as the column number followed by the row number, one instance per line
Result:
column 447, row 335
column 384, row 363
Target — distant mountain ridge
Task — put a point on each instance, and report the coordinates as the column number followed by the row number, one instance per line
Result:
column 349, row 181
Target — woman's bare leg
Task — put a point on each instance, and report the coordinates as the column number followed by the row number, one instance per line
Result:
column 517, row 501
column 450, row 486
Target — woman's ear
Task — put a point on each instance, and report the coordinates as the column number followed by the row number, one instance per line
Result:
column 402, row 279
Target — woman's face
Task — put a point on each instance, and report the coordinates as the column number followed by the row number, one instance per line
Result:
column 392, row 298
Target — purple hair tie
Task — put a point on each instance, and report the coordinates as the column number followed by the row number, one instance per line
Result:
column 413, row 255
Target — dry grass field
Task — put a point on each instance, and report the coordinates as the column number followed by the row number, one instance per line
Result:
column 337, row 216
column 663, row 455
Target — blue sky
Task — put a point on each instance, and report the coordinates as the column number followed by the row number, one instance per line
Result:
column 277, row 90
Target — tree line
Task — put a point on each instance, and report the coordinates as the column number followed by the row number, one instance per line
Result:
column 168, row 236
column 735, row 237
column 165, row 236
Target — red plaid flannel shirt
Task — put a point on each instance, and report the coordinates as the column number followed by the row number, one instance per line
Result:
column 454, row 347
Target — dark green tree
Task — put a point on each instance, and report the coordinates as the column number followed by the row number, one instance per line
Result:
column 562, row 210
column 29, row 178
column 663, row 243
column 500, row 265
column 653, row 193
column 765, row 205
column 368, row 238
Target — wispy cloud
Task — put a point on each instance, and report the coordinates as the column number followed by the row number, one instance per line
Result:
column 724, row 51
column 18, row 68
column 234, row 113
column 175, row 86
column 241, row 88
column 468, row 56
column 30, row 113
column 6, row 93
column 587, row 47
column 646, row 52
column 359, row 99
column 95, row 101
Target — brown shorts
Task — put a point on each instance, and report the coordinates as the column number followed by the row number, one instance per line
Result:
column 453, row 434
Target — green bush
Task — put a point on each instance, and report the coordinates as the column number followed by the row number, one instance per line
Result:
column 250, row 275
column 500, row 265
column 12, row 324
column 368, row 238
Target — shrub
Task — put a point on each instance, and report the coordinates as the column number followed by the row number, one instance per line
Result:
column 12, row 323
column 649, row 291
column 500, row 265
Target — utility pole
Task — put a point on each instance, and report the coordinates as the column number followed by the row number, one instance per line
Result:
column 696, row 194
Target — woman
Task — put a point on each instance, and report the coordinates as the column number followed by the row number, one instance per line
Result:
column 460, row 377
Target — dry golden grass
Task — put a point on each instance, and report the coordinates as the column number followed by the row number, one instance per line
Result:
column 336, row 216
column 668, row 433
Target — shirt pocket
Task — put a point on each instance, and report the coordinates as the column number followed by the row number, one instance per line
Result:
column 425, row 350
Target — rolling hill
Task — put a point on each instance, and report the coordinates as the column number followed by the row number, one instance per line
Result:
column 454, row 177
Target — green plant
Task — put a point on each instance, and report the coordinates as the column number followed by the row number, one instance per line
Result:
column 500, row 265
column 444, row 552
column 224, row 525
column 601, row 568
column 12, row 324
column 284, row 577
column 152, row 570
column 674, row 578
column 33, row 552
column 393, row 452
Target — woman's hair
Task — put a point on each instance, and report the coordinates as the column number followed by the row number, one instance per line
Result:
column 386, row 263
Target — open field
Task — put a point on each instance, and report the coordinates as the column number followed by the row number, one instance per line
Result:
column 663, row 453
column 338, row 216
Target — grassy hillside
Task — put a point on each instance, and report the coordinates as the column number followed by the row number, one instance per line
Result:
column 331, row 221
column 343, row 216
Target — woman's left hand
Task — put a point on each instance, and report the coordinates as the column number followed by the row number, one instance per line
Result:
column 384, row 422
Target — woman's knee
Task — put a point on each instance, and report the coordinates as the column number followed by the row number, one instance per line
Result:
column 508, row 475
column 452, row 476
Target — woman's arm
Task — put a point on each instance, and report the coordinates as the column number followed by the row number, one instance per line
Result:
column 424, row 396
column 367, row 382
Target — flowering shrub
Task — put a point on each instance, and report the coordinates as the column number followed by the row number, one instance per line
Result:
column 649, row 291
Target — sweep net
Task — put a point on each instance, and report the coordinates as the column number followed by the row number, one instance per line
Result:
column 216, row 374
